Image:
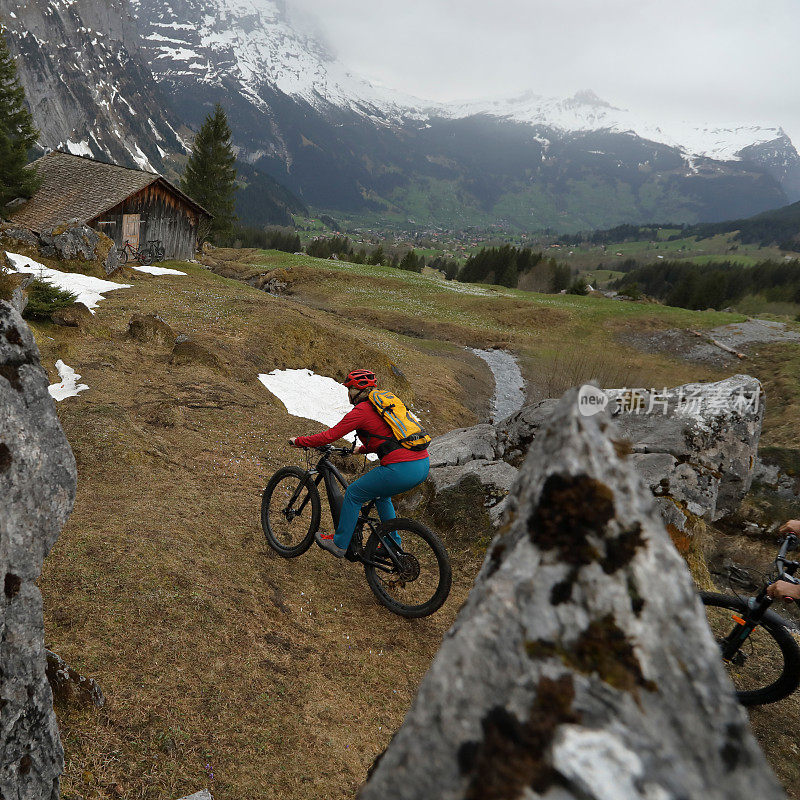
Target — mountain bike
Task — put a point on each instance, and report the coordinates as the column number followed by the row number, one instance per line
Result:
column 411, row 579
column 128, row 252
column 157, row 249
column 760, row 652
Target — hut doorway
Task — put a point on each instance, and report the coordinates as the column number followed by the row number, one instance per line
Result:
column 130, row 229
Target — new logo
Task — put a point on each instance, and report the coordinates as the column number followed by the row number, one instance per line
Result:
column 591, row 400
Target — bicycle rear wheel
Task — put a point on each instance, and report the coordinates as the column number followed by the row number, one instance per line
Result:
column 422, row 583
column 145, row 256
column 290, row 511
column 766, row 668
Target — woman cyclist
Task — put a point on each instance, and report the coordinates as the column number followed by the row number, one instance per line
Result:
column 400, row 469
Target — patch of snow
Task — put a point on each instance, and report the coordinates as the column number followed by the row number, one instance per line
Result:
column 79, row 148
column 89, row 290
column 311, row 396
column 69, row 386
column 159, row 270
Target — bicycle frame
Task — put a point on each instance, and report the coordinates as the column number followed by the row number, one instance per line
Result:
column 758, row 605
column 335, row 483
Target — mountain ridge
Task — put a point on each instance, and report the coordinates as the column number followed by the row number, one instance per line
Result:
column 342, row 144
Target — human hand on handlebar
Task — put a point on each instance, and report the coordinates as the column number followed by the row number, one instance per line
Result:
column 785, row 590
column 293, row 441
column 792, row 526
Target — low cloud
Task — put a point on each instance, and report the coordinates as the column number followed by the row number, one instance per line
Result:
column 707, row 60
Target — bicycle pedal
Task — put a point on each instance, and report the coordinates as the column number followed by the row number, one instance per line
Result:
column 350, row 555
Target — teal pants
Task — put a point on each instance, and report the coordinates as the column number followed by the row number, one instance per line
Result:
column 379, row 484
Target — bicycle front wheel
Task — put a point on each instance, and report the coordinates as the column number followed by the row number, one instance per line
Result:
column 766, row 667
column 290, row 511
column 420, row 584
column 123, row 256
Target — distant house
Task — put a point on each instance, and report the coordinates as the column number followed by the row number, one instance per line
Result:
column 125, row 204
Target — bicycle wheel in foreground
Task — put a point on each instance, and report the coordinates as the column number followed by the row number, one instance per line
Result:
column 422, row 584
column 766, row 668
column 290, row 511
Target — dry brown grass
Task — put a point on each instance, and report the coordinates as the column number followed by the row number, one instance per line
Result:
column 211, row 649
column 215, row 654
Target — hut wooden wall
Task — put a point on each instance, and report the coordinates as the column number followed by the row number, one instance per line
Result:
column 164, row 215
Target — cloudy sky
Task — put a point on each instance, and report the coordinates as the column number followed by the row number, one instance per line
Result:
column 718, row 61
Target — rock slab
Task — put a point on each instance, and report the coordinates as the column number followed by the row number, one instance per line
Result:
column 695, row 445
column 37, row 486
column 581, row 666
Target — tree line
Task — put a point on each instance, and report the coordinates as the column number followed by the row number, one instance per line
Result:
column 697, row 286
column 505, row 266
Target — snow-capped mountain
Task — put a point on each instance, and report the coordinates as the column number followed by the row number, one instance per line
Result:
column 585, row 111
column 116, row 78
column 253, row 44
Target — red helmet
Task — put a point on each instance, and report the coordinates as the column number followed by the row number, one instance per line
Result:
column 360, row 379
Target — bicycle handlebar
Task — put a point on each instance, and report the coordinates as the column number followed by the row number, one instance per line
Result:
column 786, row 567
column 329, row 448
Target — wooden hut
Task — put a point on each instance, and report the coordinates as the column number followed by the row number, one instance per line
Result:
column 125, row 204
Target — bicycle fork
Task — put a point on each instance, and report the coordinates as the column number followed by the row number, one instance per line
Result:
column 732, row 643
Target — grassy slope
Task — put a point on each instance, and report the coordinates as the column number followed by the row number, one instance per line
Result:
column 215, row 654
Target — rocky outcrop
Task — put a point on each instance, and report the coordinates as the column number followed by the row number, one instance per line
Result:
column 88, row 86
column 694, row 445
column 581, row 665
column 37, row 486
column 72, row 242
column 70, row 687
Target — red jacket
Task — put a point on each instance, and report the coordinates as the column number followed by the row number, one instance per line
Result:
column 364, row 418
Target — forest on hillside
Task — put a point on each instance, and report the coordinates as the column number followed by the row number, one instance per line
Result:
column 697, row 286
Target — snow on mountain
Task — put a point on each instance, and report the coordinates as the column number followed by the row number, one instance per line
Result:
column 585, row 111
column 88, row 89
column 253, row 43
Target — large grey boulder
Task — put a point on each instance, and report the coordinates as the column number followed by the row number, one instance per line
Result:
column 37, row 487
column 694, row 445
column 581, row 665
column 714, row 427
column 464, row 445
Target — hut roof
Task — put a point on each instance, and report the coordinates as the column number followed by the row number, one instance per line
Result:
column 77, row 187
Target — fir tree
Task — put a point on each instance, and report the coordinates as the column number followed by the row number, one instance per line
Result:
column 210, row 175
column 17, row 133
column 377, row 257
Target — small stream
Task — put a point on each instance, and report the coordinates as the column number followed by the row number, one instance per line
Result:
column 509, row 395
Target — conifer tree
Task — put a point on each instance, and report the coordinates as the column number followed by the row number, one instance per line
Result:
column 210, row 175
column 17, row 133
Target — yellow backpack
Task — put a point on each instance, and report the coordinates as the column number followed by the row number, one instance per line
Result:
column 405, row 425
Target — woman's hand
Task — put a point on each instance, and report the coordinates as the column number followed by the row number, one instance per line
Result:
column 292, row 441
